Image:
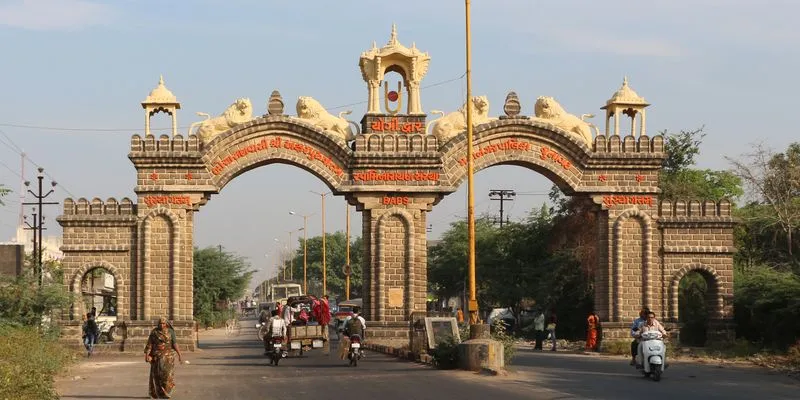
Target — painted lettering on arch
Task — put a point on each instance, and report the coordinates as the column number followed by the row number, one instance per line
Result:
column 309, row 152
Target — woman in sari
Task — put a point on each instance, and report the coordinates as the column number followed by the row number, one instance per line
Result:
column 158, row 353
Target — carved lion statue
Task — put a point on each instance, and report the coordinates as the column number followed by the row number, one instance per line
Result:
column 450, row 125
column 549, row 110
column 237, row 113
column 311, row 111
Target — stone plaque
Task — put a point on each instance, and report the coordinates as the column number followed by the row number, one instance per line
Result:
column 395, row 297
column 438, row 329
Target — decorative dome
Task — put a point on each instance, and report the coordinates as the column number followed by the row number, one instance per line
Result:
column 161, row 95
column 626, row 95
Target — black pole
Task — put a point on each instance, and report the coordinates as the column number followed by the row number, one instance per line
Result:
column 502, row 195
column 38, row 225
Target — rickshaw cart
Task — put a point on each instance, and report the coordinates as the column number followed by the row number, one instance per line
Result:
column 304, row 336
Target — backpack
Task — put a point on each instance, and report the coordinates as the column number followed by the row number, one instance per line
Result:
column 353, row 327
column 91, row 327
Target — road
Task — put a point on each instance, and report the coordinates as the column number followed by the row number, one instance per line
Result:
column 234, row 368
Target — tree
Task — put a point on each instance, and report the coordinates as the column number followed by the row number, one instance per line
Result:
column 679, row 180
column 774, row 180
column 335, row 259
column 218, row 275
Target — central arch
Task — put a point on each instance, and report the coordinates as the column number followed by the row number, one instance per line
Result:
column 554, row 153
column 276, row 139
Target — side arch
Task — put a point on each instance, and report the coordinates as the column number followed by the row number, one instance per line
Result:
column 647, row 246
column 277, row 139
column 119, row 286
column 714, row 295
column 548, row 150
column 175, row 260
column 379, row 269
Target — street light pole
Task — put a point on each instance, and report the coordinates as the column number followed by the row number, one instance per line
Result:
column 324, row 266
column 305, row 249
column 291, row 258
column 40, row 202
column 473, row 300
column 347, row 256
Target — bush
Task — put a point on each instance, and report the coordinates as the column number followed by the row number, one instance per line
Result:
column 445, row 355
column 766, row 308
column 499, row 333
column 28, row 363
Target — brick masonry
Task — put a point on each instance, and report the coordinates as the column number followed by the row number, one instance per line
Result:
column 394, row 180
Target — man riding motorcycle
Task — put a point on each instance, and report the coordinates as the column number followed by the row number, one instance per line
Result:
column 276, row 327
column 650, row 324
column 352, row 326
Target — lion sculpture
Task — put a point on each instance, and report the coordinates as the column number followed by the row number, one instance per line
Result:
column 450, row 125
column 311, row 111
column 548, row 110
column 237, row 113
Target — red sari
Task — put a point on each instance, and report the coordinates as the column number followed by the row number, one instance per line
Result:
column 162, row 364
column 591, row 334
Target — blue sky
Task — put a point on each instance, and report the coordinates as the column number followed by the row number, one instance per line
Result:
column 80, row 65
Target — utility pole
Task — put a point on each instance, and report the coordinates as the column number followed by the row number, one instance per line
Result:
column 40, row 202
column 347, row 254
column 503, row 195
column 324, row 265
column 35, row 229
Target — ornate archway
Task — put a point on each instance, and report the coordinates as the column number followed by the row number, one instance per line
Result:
column 395, row 172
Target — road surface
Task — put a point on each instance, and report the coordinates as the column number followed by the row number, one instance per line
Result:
column 233, row 367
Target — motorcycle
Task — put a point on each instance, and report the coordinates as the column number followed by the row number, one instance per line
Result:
column 355, row 350
column 277, row 351
column 652, row 355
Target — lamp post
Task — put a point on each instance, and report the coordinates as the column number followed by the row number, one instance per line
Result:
column 324, row 267
column 347, row 255
column 473, row 300
column 305, row 249
column 40, row 223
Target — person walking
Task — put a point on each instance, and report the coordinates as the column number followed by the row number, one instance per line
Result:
column 158, row 352
column 90, row 334
column 592, row 323
column 538, row 328
column 552, row 321
column 460, row 316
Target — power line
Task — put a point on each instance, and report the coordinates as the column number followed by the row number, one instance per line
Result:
column 19, row 151
column 503, row 195
column 54, row 128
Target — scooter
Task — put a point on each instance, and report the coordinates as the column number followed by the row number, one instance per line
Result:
column 355, row 350
column 652, row 354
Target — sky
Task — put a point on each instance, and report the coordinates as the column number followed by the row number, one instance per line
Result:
column 74, row 72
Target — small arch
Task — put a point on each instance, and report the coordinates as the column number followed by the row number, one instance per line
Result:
column 119, row 283
column 378, row 284
column 616, row 272
column 715, row 298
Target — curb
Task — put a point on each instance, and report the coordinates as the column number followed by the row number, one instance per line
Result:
column 402, row 354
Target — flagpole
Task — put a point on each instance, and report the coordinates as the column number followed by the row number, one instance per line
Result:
column 473, row 300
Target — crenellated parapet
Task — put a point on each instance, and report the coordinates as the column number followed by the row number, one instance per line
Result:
column 695, row 209
column 615, row 144
column 97, row 207
column 394, row 143
column 164, row 144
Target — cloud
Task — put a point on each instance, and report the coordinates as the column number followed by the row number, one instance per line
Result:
column 53, row 14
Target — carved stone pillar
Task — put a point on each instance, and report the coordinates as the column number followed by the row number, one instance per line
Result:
column 395, row 262
column 373, row 103
column 414, row 102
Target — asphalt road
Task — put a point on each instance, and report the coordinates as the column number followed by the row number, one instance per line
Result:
column 235, row 368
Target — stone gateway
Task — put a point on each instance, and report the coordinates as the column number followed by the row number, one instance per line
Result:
column 394, row 172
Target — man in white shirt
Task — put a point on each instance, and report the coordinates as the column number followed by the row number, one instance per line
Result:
column 276, row 328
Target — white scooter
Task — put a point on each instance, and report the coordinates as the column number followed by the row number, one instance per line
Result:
column 652, row 355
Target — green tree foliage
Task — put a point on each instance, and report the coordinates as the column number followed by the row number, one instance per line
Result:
column 693, row 289
column 335, row 259
column 774, row 181
column 24, row 303
column 680, row 180
column 767, row 305
column 218, row 276
column 519, row 262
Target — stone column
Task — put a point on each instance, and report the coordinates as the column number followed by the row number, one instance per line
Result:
column 395, row 263
column 414, row 102
column 373, row 103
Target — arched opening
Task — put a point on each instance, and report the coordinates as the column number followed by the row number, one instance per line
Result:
column 522, row 266
column 394, row 84
column 697, row 304
column 262, row 218
column 98, row 296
